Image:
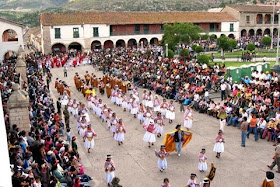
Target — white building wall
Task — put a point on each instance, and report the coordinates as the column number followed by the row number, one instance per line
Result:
column 10, row 46
column 225, row 28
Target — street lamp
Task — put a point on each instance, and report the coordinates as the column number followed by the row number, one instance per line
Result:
column 276, row 67
column 272, row 36
column 166, row 50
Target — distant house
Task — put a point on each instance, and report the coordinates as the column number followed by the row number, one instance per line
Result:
column 255, row 20
column 91, row 30
column 11, row 38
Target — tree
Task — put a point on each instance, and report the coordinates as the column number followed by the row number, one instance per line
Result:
column 204, row 59
column 184, row 53
column 262, row 1
column 170, row 53
column 204, row 37
column 251, row 47
column 193, row 47
column 232, row 44
column 149, row 52
column 266, row 40
column 224, row 44
column 183, row 33
column 212, row 37
column 199, row 49
column 255, row 1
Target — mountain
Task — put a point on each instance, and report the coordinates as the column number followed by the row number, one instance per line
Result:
column 31, row 4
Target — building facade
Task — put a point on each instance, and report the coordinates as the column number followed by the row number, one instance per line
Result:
column 11, row 38
column 255, row 20
column 90, row 30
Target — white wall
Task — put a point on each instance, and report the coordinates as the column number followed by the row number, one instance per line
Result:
column 225, row 26
column 10, row 46
column 104, row 30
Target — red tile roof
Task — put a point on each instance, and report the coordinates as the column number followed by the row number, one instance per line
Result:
column 114, row 18
column 254, row 8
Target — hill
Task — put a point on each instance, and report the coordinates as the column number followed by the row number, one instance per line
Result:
column 31, row 4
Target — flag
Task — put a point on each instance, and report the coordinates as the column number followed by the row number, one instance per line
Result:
column 169, row 141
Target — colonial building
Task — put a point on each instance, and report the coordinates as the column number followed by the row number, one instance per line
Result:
column 90, row 30
column 254, row 20
column 12, row 38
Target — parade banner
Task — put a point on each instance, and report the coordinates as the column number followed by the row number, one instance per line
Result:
column 212, row 172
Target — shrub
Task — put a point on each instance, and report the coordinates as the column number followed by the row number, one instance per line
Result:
column 204, row 59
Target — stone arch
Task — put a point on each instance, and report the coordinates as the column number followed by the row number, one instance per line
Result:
column 243, row 32
column 96, row 44
column 267, row 19
column 144, row 40
column 10, row 54
column 120, row 43
column 259, row 32
column 266, row 32
column 231, row 36
column 154, row 41
column 222, row 35
column 9, row 35
column 251, row 32
column 108, row 44
column 132, row 43
column 259, row 19
column 58, row 47
column 76, row 46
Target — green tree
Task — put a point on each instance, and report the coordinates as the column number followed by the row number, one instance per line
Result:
column 193, row 47
column 183, row 33
column 184, row 53
column 223, row 43
column 255, row 1
column 232, row 44
column 212, row 37
column 262, row 1
column 251, row 47
column 204, row 37
column 266, row 40
column 204, row 59
column 170, row 53
column 199, row 49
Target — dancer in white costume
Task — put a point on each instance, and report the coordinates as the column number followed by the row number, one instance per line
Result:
column 188, row 118
column 75, row 106
column 162, row 154
column 64, row 99
column 202, row 164
column 163, row 108
column 170, row 112
column 134, row 108
column 83, row 127
column 159, row 124
column 89, row 141
column 114, row 122
column 109, row 170
column 144, row 97
column 120, row 131
column 124, row 102
column 149, row 136
column 219, row 145
column 149, row 100
column 156, row 104
column 141, row 112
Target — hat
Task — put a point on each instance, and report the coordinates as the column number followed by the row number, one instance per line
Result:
column 62, row 149
column 235, row 81
column 152, row 122
column 162, row 146
column 109, row 156
column 193, row 175
column 203, row 149
column 272, row 119
column 177, row 126
column 49, row 153
column 269, row 175
column 206, row 181
column 267, row 72
column 74, row 138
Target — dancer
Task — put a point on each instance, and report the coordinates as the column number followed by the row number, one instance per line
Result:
column 141, row 112
column 170, row 112
column 134, row 108
column 109, row 169
column 149, row 100
column 120, row 131
column 222, row 115
column 149, row 136
column 202, row 164
column 124, row 102
column 114, row 122
column 188, row 118
column 156, row 104
column 162, row 154
column 83, row 127
column 192, row 182
column 163, row 108
column 219, row 145
column 159, row 123
column 89, row 141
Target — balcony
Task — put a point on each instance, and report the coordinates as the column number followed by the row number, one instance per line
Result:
column 213, row 30
column 134, row 33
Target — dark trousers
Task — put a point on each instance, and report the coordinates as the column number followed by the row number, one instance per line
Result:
column 223, row 95
column 65, row 74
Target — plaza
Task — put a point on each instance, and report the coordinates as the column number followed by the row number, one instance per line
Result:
column 136, row 164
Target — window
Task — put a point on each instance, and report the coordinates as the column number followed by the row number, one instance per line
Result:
column 57, row 33
column 161, row 29
column 137, row 29
column 248, row 19
column 111, row 30
column 95, row 32
column 146, row 29
column 231, row 27
column 76, row 33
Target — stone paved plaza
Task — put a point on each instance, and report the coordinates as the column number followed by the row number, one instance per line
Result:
column 136, row 164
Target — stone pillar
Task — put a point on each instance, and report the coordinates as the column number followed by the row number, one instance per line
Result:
column 21, row 52
column 21, row 68
column 17, row 105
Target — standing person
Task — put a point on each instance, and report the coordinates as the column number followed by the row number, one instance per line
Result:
column 202, row 164
column 120, row 131
column 276, row 158
column 222, row 115
column 65, row 71
column 89, row 141
column 188, row 118
column 268, row 181
column 179, row 138
column 58, row 106
column 74, row 145
column 181, row 100
column 109, row 169
column 192, row 182
column 68, row 135
column 253, row 127
column 162, row 154
column 219, row 145
column 149, row 136
column 159, row 123
column 223, row 90
column 243, row 128
column 165, row 183
column 170, row 114
column 66, row 116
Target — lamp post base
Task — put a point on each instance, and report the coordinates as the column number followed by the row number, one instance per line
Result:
column 276, row 68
